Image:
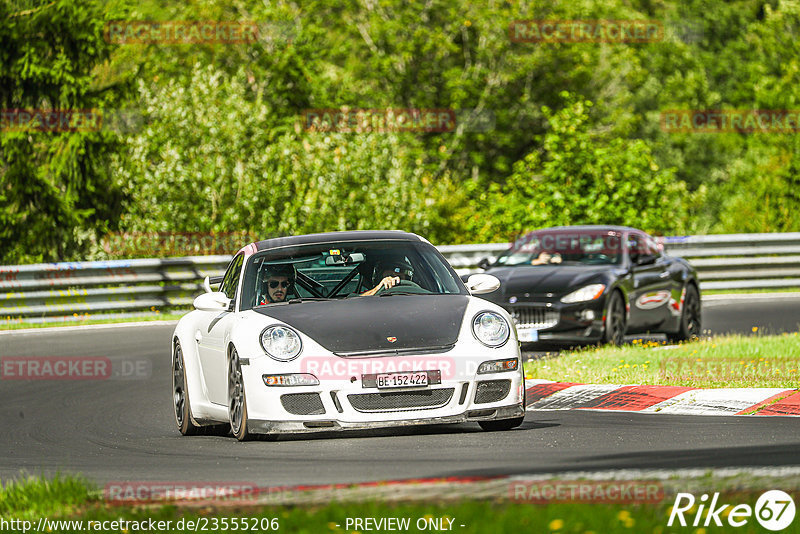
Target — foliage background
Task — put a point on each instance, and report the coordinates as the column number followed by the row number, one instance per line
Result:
column 213, row 139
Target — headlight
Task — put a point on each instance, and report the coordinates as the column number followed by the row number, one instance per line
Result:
column 590, row 292
column 281, row 343
column 490, row 329
column 498, row 366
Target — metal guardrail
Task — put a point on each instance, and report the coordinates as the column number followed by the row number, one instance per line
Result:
column 79, row 288
column 58, row 290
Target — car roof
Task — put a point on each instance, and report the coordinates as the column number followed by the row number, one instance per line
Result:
column 353, row 235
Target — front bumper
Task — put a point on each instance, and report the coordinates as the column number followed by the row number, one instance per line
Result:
column 347, row 397
column 559, row 323
column 329, row 425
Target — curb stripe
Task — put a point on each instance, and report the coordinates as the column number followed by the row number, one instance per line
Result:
column 727, row 401
column 547, row 395
column 574, row 396
column 765, row 402
column 635, row 398
column 540, row 391
column 788, row 406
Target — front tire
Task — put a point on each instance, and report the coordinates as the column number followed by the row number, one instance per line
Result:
column 690, row 317
column 616, row 321
column 237, row 401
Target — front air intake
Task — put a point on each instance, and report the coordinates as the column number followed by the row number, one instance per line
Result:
column 492, row 391
column 405, row 400
column 303, row 403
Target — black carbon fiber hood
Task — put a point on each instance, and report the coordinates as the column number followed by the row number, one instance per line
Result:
column 366, row 323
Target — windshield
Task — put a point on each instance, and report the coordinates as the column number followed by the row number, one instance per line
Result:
column 564, row 247
column 347, row 269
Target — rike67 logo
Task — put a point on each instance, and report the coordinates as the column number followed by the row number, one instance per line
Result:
column 774, row 510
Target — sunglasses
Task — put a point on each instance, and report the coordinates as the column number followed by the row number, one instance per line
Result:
column 274, row 283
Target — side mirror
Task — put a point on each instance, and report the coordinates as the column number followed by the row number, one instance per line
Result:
column 211, row 280
column 212, row 302
column 479, row 284
column 484, row 263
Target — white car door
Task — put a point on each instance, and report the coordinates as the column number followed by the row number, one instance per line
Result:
column 212, row 338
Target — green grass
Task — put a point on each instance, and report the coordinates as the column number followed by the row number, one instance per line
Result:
column 32, row 497
column 67, row 498
column 13, row 324
column 723, row 361
column 749, row 291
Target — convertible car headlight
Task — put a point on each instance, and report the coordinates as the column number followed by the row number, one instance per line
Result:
column 590, row 292
column 490, row 328
column 281, row 343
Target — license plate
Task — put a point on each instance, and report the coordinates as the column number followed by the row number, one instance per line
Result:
column 401, row 380
column 528, row 336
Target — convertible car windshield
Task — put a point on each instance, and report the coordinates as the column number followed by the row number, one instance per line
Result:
column 341, row 270
column 565, row 246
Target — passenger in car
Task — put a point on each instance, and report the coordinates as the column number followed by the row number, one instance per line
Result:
column 278, row 284
column 546, row 257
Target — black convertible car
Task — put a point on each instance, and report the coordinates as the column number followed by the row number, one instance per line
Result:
column 577, row 285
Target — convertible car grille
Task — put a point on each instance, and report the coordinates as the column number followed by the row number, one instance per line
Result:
column 536, row 318
column 492, row 391
column 401, row 400
column 303, row 403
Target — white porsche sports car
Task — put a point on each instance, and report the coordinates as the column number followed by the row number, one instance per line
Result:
column 344, row 330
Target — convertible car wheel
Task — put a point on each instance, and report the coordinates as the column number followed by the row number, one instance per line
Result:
column 237, row 403
column 690, row 318
column 615, row 321
column 180, row 398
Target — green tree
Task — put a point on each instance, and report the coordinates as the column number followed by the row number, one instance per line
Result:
column 233, row 164
column 55, row 190
column 584, row 177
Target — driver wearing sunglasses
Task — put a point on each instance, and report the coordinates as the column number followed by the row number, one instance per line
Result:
column 277, row 285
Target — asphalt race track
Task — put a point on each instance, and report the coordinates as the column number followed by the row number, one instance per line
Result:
column 123, row 429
